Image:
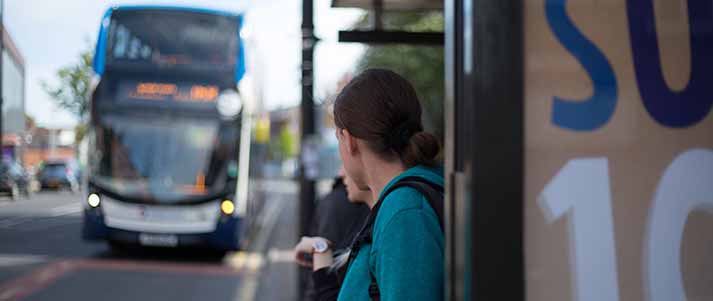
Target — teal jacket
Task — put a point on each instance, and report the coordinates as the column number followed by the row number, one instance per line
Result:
column 406, row 255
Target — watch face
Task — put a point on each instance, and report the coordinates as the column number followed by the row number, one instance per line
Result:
column 320, row 246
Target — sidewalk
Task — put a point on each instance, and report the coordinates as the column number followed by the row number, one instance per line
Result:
column 274, row 275
column 278, row 280
column 272, row 272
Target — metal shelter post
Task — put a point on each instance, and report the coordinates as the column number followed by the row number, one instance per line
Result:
column 307, row 184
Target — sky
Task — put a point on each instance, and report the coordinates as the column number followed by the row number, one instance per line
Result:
column 50, row 34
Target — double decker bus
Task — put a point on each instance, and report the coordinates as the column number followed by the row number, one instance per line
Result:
column 167, row 146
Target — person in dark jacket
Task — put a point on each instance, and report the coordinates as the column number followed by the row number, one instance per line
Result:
column 337, row 217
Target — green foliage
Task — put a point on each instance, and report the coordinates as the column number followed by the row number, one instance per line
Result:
column 79, row 132
column 284, row 147
column 72, row 92
column 288, row 145
column 423, row 66
column 30, row 122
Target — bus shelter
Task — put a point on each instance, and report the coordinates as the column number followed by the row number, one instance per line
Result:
column 579, row 146
column 580, row 149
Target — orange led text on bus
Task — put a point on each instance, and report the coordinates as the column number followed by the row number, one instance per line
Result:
column 164, row 91
column 204, row 93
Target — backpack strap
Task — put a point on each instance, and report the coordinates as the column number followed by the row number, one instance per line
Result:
column 433, row 194
column 431, row 191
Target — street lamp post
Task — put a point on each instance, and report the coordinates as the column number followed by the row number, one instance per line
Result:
column 307, row 183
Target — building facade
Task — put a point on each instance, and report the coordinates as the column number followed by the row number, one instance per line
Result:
column 13, row 99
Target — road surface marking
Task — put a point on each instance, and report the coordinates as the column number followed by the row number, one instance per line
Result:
column 157, row 267
column 48, row 224
column 34, row 281
column 281, row 256
column 33, row 223
column 42, row 277
column 249, row 284
column 14, row 221
column 66, row 209
column 271, row 216
column 245, row 261
column 7, row 295
column 13, row 260
column 248, row 289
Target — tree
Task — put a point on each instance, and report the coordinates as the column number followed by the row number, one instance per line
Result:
column 72, row 92
column 30, row 122
column 423, row 66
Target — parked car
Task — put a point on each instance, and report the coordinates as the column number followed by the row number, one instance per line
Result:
column 14, row 180
column 60, row 174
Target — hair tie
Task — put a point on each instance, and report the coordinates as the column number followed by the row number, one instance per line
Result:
column 398, row 139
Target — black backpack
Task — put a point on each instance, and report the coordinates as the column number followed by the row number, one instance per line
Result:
column 433, row 194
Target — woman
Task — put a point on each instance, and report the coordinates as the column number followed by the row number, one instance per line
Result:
column 381, row 141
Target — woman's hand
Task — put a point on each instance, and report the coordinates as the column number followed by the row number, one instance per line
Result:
column 304, row 250
column 306, row 256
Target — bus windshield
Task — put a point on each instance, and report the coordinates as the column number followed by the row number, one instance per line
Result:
column 168, row 38
column 164, row 161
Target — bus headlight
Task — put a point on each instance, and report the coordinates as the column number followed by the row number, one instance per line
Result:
column 229, row 103
column 93, row 200
column 227, row 207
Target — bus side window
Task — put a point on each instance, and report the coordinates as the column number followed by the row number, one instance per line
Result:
column 122, row 41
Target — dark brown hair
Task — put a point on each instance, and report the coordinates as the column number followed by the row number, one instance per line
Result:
column 381, row 108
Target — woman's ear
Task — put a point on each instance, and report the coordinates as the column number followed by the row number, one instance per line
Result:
column 350, row 142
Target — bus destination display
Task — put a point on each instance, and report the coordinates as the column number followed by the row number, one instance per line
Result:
column 157, row 91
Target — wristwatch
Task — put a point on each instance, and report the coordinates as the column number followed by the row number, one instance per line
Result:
column 320, row 245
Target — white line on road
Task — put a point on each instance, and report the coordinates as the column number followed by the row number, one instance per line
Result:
column 66, row 209
column 255, row 260
column 277, row 255
column 49, row 223
column 14, row 221
column 272, row 215
column 7, row 260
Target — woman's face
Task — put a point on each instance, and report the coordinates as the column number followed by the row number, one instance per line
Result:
column 354, row 194
column 351, row 160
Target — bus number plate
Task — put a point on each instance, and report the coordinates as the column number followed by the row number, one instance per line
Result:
column 158, row 240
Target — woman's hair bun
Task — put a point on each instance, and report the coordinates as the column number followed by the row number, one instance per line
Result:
column 422, row 149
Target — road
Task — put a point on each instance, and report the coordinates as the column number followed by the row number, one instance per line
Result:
column 42, row 257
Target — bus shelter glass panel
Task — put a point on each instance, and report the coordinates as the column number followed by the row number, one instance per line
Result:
column 618, row 150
